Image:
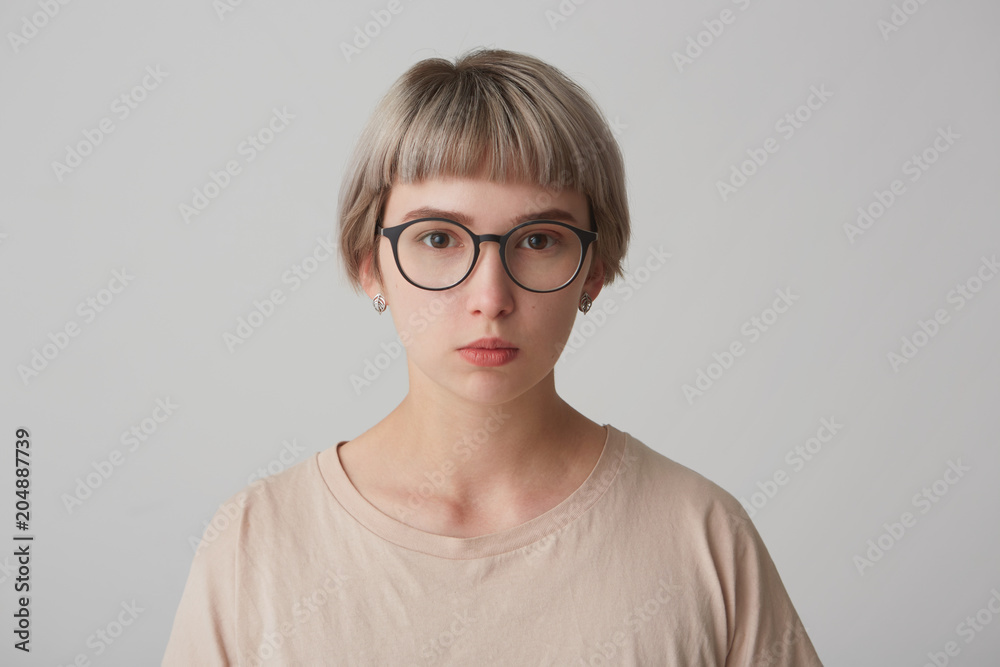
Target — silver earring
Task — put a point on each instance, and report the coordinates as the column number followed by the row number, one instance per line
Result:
column 379, row 303
column 585, row 303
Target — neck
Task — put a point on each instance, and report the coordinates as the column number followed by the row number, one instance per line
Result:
column 482, row 455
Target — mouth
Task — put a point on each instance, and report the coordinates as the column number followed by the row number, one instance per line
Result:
column 492, row 343
column 489, row 352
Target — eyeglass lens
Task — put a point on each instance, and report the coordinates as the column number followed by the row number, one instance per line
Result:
column 438, row 254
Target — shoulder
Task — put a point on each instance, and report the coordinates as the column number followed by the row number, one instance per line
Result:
column 236, row 543
column 261, row 505
column 289, row 486
column 680, row 494
column 703, row 533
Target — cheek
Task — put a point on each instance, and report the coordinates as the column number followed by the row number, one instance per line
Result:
column 553, row 321
column 558, row 327
column 427, row 317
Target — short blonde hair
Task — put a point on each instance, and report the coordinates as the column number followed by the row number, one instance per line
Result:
column 508, row 114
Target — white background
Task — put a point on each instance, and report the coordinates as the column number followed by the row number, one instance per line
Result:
column 682, row 130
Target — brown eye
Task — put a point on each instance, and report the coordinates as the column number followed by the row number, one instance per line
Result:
column 538, row 241
column 438, row 240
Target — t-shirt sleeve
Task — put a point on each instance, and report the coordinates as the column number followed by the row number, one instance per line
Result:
column 204, row 630
column 767, row 631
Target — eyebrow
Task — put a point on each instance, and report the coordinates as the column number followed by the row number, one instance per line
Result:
column 547, row 214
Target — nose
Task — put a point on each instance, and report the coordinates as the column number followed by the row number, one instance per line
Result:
column 490, row 289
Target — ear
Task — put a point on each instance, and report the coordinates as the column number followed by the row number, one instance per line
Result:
column 595, row 278
column 367, row 276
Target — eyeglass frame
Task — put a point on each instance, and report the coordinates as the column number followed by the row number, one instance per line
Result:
column 586, row 237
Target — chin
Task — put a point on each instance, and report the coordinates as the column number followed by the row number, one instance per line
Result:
column 490, row 389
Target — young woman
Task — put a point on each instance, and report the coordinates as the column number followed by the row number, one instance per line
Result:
column 484, row 521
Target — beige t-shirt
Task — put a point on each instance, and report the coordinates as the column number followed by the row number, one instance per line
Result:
column 646, row 563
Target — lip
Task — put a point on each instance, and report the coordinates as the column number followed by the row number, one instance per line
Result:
column 490, row 351
column 481, row 356
column 491, row 343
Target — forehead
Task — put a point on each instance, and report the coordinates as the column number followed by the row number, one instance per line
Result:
column 473, row 201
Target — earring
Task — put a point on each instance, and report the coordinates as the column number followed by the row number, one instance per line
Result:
column 585, row 303
column 379, row 303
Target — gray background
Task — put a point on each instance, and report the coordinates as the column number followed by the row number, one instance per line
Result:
column 682, row 129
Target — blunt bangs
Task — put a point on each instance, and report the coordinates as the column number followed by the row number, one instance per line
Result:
column 499, row 115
